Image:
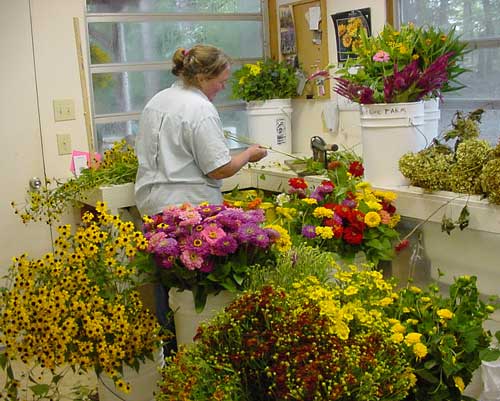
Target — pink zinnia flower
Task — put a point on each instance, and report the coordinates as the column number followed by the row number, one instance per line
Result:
column 192, row 260
column 381, row 56
column 212, row 233
column 189, row 218
column 385, row 217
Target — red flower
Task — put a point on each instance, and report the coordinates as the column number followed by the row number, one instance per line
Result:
column 297, row 183
column 402, row 245
column 333, row 165
column 356, row 169
column 388, row 207
column 357, row 219
column 330, row 206
column 338, row 230
column 353, row 236
column 343, row 211
column 328, row 183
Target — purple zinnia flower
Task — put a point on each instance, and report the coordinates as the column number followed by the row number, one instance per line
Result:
column 254, row 216
column 207, row 266
column 210, row 210
column 165, row 262
column 248, row 231
column 261, row 239
column 225, row 246
column 309, row 231
column 197, row 243
column 350, row 203
column 230, row 218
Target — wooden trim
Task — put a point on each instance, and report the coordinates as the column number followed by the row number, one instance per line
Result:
column 273, row 29
column 389, row 12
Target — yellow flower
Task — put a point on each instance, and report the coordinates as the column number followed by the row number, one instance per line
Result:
column 420, row 350
column 397, row 338
column 445, row 313
column 459, row 383
column 372, row 219
column 415, row 289
column 373, row 204
column 310, row 201
column 425, row 299
column 385, row 301
column 324, row 232
column 398, row 328
column 283, row 243
column 412, row 338
column 350, row 290
column 323, row 212
column 255, row 69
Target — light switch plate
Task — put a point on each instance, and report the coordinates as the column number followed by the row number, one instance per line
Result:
column 64, row 109
column 63, row 144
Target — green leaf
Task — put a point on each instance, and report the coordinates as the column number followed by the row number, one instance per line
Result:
column 427, row 376
column 447, row 224
column 463, row 219
column 200, row 299
column 489, row 354
column 40, row 389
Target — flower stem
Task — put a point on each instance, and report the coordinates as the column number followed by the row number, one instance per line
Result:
column 247, row 141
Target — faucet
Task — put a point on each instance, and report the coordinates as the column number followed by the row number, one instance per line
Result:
column 320, row 149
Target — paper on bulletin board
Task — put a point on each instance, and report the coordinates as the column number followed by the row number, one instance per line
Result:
column 287, row 30
column 314, row 18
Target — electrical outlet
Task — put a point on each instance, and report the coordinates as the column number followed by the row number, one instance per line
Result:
column 64, row 109
column 64, row 144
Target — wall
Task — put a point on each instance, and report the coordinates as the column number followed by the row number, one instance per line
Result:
column 307, row 114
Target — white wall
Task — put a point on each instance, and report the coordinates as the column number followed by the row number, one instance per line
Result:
column 307, row 119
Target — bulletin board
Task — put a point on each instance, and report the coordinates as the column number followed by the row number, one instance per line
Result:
column 311, row 45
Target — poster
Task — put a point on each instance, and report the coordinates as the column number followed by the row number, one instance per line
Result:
column 348, row 25
column 287, row 30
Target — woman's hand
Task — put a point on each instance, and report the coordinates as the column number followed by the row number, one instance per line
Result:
column 256, row 153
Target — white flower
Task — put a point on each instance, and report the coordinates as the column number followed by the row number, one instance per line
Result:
column 282, row 198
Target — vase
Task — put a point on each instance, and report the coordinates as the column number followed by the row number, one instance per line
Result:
column 388, row 131
column 143, row 383
column 270, row 124
column 431, row 121
column 186, row 319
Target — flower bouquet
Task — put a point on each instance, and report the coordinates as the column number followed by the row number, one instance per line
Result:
column 77, row 308
column 398, row 66
column 209, row 248
column 446, row 335
column 342, row 215
column 310, row 342
column 265, row 80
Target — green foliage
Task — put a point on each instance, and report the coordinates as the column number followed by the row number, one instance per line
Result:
column 265, row 80
column 451, row 328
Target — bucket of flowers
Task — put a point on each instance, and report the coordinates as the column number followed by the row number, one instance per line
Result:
column 344, row 214
column 204, row 254
column 310, row 341
column 79, row 309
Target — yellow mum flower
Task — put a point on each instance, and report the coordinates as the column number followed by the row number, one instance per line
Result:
column 397, row 338
column 255, row 69
column 445, row 313
column 283, row 243
column 415, row 289
column 413, row 338
column 385, row 301
column 373, row 205
column 398, row 328
column 394, row 220
column 425, row 299
column 420, row 350
column 372, row 219
column 351, row 290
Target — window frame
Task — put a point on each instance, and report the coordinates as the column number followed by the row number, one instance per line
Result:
column 91, row 17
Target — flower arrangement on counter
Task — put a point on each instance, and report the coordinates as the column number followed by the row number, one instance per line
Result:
column 209, row 248
column 342, row 215
column 404, row 65
column 265, row 80
column 118, row 166
column 77, row 308
column 458, row 161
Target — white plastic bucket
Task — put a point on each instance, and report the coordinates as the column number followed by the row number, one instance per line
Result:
column 270, row 124
column 388, row 131
column 144, row 383
column 186, row 319
column 431, row 121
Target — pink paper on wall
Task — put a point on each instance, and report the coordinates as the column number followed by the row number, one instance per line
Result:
column 80, row 153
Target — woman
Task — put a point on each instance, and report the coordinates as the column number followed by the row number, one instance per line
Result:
column 181, row 146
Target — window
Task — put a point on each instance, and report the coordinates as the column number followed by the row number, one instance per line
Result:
column 478, row 21
column 131, row 43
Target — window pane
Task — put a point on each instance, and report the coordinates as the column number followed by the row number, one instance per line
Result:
column 109, row 133
column 483, row 81
column 236, row 122
column 474, row 18
column 174, row 6
column 127, row 92
column 121, row 42
column 489, row 127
